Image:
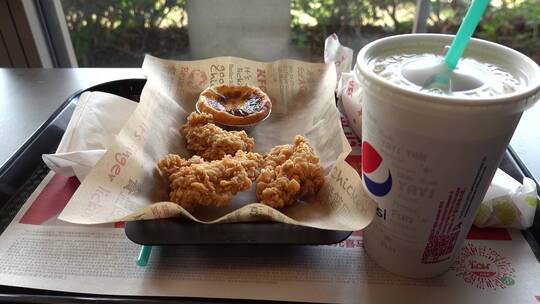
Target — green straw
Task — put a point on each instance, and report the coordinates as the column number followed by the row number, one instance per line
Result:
column 144, row 254
column 465, row 31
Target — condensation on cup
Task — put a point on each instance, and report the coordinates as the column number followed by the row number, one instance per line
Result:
column 428, row 155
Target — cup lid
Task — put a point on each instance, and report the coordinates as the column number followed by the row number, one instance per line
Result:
column 513, row 61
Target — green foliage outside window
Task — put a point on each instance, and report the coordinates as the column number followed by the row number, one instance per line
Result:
column 119, row 33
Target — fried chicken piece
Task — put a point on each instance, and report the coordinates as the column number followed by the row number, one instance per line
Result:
column 278, row 155
column 210, row 141
column 290, row 171
column 172, row 162
column 196, row 182
column 252, row 162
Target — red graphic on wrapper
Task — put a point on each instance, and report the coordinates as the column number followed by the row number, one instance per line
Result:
column 445, row 231
column 354, row 158
column 355, row 161
column 121, row 159
column 197, row 79
column 51, row 201
column 217, row 75
column 350, row 88
column 489, row 234
column 352, row 139
column 261, row 80
column 483, row 268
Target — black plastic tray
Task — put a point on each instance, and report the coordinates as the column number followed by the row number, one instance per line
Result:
column 183, row 232
column 153, row 232
column 23, row 173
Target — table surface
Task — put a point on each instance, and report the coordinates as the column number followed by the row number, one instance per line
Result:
column 28, row 97
column 526, row 141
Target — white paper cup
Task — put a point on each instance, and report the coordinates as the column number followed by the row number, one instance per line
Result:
column 428, row 160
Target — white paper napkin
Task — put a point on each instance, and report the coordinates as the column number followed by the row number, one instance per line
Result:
column 97, row 119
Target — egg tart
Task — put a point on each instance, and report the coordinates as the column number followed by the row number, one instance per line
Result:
column 235, row 104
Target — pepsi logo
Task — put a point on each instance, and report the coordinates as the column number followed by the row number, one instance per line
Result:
column 371, row 166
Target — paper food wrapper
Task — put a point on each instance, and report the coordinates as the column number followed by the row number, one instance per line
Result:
column 126, row 184
column 350, row 97
column 348, row 89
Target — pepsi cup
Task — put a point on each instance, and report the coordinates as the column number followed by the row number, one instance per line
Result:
column 428, row 157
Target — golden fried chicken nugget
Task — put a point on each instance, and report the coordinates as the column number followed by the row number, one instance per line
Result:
column 196, row 182
column 290, row 172
column 211, row 142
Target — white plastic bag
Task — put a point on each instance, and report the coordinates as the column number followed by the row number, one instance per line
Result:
column 508, row 203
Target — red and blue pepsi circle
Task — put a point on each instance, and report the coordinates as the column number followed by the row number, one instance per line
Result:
column 371, row 163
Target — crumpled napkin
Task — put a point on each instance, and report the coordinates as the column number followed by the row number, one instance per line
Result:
column 507, row 202
column 78, row 163
column 97, row 119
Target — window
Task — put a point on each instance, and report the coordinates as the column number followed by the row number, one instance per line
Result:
column 514, row 23
column 119, row 33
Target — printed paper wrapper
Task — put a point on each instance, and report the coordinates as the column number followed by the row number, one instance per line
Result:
column 127, row 185
column 348, row 89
